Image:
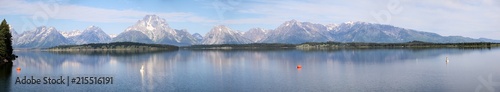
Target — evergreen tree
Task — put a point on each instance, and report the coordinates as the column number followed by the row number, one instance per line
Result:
column 6, row 50
column 3, row 46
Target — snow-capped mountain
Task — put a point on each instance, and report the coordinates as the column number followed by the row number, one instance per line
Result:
column 41, row 37
column 369, row 32
column 91, row 34
column 153, row 29
column 298, row 32
column 295, row 32
column 157, row 29
column 256, row 34
column 152, row 26
column 223, row 35
column 198, row 37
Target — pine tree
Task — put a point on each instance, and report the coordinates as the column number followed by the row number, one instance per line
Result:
column 8, row 42
column 3, row 45
column 6, row 50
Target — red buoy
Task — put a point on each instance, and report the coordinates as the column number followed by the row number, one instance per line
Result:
column 299, row 66
column 18, row 68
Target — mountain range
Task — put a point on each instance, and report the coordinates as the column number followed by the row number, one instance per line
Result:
column 221, row 34
column 299, row 32
column 40, row 37
column 92, row 34
column 153, row 29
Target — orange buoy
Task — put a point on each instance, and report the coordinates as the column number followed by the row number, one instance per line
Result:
column 18, row 68
column 299, row 66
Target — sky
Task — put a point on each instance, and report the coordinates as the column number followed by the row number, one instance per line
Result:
column 469, row 18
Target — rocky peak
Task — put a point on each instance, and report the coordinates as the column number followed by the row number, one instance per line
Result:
column 152, row 21
column 291, row 23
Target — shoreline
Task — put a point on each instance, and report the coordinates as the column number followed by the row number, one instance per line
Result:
column 262, row 46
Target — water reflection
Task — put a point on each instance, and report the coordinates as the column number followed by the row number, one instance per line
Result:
column 74, row 59
column 233, row 70
column 5, row 77
column 348, row 56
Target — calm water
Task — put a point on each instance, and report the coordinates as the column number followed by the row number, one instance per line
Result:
column 269, row 70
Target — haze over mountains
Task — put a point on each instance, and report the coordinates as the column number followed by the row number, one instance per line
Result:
column 153, row 29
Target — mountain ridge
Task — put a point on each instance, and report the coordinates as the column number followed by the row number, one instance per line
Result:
column 221, row 34
column 153, row 29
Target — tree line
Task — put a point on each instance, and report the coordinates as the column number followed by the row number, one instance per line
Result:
column 114, row 46
column 411, row 44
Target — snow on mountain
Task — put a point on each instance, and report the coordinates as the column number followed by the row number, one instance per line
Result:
column 295, row 32
column 369, row 32
column 223, row 35
column 92, row 34
column 256, row 34
column 41, row 37
column 71, row 33
column 153, row 29
column 183, row 37
column 298, row 32
column 157, row 29
column 330, row 27
column 152, row 26
column 198, row 37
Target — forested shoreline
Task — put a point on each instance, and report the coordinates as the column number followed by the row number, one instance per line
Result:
column 114, row 46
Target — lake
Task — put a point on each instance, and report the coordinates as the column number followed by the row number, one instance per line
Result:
column 349, row 70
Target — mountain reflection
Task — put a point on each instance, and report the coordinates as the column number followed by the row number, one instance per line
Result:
column 198, row 70
column 50, row 59
column 345, row 55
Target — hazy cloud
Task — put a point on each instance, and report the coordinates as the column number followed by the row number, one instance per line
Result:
column 57, row 10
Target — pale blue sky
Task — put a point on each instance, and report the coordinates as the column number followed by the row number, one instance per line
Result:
column 470, row 18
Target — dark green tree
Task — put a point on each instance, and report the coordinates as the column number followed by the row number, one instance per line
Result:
column 6, row 50
column 3, row 49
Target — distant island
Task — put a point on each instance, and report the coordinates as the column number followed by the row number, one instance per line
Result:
column 129, row 46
